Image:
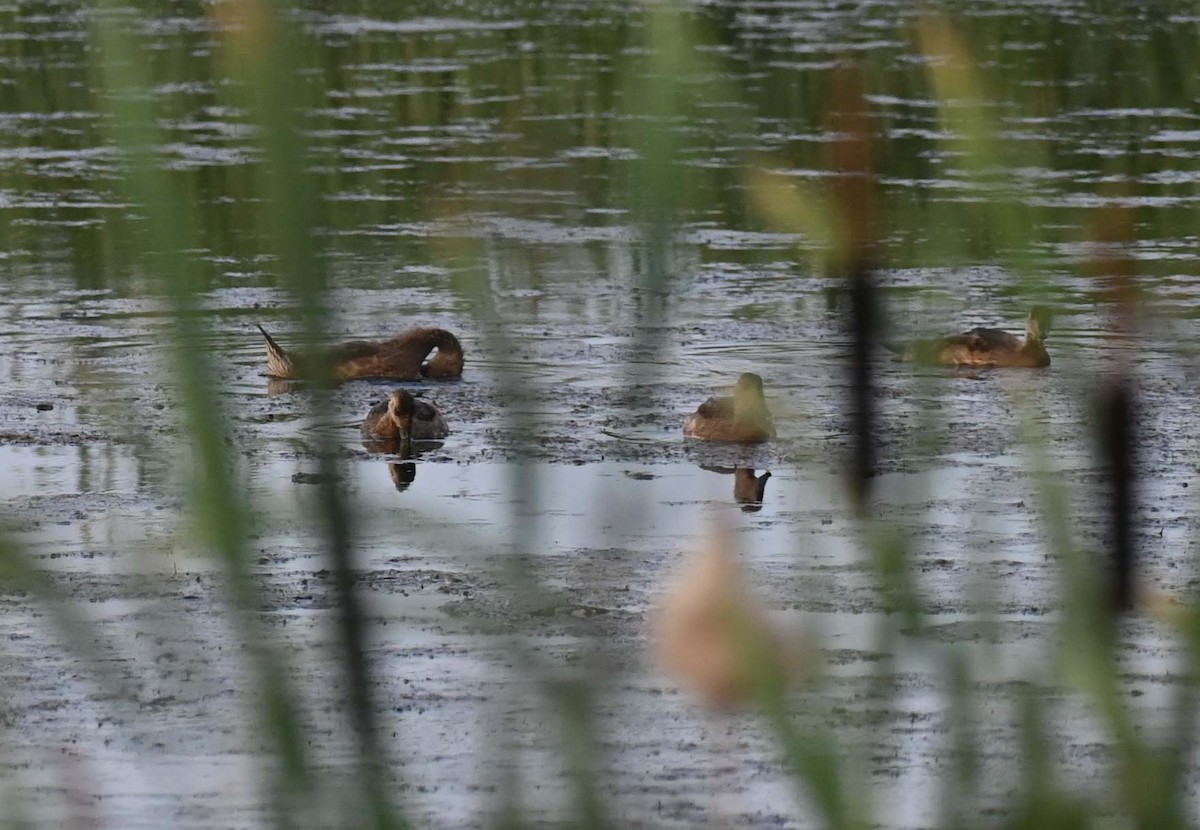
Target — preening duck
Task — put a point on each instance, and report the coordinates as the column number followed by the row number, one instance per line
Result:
column 403, row 357
column 403, row 419
column 986, row 347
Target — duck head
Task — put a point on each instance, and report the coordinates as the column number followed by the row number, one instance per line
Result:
column 401, row 409
column 749, row 386
column 445, row 363
column 1038, row 325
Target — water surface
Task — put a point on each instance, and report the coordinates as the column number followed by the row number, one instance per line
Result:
column 479, row 171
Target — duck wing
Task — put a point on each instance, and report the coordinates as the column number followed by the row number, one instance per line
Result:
column 927, row 351
column 377, row 424
column 376, row 359
column 712, row 420
column 716, row 407
column 354, row 350
column 988, row 340
column 428, row 422
column 977, row 347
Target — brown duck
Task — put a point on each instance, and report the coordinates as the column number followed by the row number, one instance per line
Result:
column 986, row 347
column 402, row 358
column 743, row 418
column 402, row 419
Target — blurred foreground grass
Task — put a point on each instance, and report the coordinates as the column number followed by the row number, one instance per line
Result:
column 673, row 74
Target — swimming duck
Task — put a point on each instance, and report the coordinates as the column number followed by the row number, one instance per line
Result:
column 986, row 347
column 402, row 358
column 743, row 418
column 402, row 419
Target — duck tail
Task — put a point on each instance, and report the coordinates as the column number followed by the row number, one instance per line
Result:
column 279, row 362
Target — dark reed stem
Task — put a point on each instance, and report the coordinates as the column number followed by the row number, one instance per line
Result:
column 851, row 156
column 353, row 627
column 863, row 318
column 1112, row 233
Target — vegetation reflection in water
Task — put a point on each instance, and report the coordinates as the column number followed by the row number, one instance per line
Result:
column 635, row 172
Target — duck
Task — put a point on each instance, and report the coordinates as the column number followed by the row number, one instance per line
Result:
column 986, row 347
column 742, row 418
column 402, row 419
column 403, row 357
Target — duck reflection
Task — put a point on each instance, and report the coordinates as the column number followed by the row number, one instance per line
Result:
column 403, row 473
column 275, row 386
column 404, row 470
column 748, row 489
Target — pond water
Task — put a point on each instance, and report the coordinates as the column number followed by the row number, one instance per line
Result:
column 479, row 171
